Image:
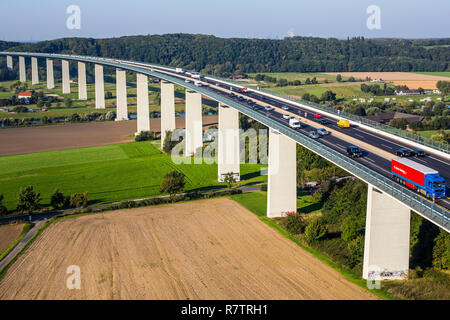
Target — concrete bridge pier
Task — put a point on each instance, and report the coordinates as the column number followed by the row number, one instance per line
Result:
column 9, row 62
column 34, row 71
column 228, row 156
column 167, row 109
column 65, row 76
column 143, row 114
column 386, row 247
column 121, row 95
column 99, row 87
column 82, row 90
column 22, row 71
column 194, row 132
column 50, row 77
column 282, row 179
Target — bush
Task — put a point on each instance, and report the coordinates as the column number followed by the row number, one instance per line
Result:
column 145, row 136
column 57, row 199
column 314, row 231
column 172, row 183
column 441, row 250
column 264, row 187
column 294, row 223
column 28, row 200
column 356, row 248
column 110, row 116
column 351, row 228
column 79, row 200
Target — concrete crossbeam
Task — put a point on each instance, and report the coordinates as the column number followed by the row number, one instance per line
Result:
column 228, row 156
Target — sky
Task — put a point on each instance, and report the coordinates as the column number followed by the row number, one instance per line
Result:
column 35, row 20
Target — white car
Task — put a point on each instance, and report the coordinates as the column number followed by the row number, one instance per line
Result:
column 285, row 107
column 313, row 134
column 286, row 116
column 268, row 108
column 187, row 81
column 323, row 132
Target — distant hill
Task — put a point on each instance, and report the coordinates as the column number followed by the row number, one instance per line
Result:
column 222, row 57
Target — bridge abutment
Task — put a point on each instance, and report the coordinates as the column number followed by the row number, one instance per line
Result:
column 282, row 175
column 34, row 71
column 143, row 116
column 50, row 77
column 22, row 70
column 121, row 94
column 167, row 109
column 82, row 90
column 65, row 76
column 99, row 87
column 228, row 156
column 194, row 132
column 386, row 248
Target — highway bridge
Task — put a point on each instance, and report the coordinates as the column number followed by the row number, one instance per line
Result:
column 389, row 203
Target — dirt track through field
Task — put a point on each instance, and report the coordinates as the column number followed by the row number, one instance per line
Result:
column 209, row 249
column 8, row 234
column 76, row 135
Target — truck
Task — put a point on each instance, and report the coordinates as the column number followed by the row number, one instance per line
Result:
column 179, row 70
column 343, row 123
column 294, row 123
column 418, row 177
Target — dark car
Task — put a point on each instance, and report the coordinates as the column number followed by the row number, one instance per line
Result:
column 403, row 152
column 256, row 107
column 354, row 152
column 323, row 121
column 418, row 153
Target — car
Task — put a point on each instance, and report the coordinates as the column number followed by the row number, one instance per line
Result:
column 268, row 108
column 286, row 116
column 285, row 107
column 317, row 116
column 241, row 98
column 403, row 152
column 313, row 134
column 187, row 81
column 323, row 121
column 256, row 107
column 354, row 152
column 250, row 101
column 418, row 153
column 343, row 123
column 217, row 84
column 323, row 131
column 231, row 94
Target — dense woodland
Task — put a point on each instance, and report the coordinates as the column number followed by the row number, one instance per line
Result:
column 222, row 57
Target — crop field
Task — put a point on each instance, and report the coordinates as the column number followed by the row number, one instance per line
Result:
column 439, row 74
column 341, row 89
column 9, row 233
column 108, row 173
column 207, row 249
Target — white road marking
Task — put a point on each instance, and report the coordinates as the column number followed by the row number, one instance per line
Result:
column 386, row 146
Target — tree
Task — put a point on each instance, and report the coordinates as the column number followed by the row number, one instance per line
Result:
column 294, row 223
column 3, row 210
column 314, row 231
column 328, row 96
column 168, row 144
column 229, row 179
column 110, row 116
column 108, row 95
column 441, row 250
column 145, row 136
column 57, row 199
column 79, row 200
column 172, row 183
column 28, row 200
column 338, row 78
column 443, row 86
column 399, row 123
column 350, row 228
column 68, row 102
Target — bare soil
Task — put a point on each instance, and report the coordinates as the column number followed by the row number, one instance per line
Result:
column 208, row 249
column 389, row 75
column 76, row 135
column 9, row 233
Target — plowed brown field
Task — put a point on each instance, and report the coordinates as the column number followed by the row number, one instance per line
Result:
column 9, row 233
column 209, row 249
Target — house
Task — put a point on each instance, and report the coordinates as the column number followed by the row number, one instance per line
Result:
column 407, row 92
column 386, row 117
column 236, row 77
column 24, row 95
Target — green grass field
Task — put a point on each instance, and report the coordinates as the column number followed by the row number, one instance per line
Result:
column 441, row 74
column 430, row 133
column 108, row 173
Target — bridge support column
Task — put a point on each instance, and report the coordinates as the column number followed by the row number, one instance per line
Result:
column 22, row 71
column 65, row 76
column 9, row 62
column 143, row 117
column 228, row 145
column 282, row 180
column 121, row 94
column 82, row 90
column 194, row 131
column 34, row 71
column 50, row 78
column 386, row 247
column 167, row 109
column 99, row 87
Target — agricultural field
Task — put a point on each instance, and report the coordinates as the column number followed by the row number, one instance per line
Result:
column 108, row 173
column 430, row 133
column 207, row 249
column 9, row 233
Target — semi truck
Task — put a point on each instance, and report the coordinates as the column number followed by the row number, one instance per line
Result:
column 418, row 177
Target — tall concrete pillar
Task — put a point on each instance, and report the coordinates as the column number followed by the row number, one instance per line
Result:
column 282, row 179
column 99, row 87
column 50, row 77
column 194, row 131
column 9, row 62
column 65, row 76
column 34, row 71
column 167, row 109
column 121, row 94
column 386, row 247
column 143, row 117
column 22, row 71
column 82, row 90
column 228, row 145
